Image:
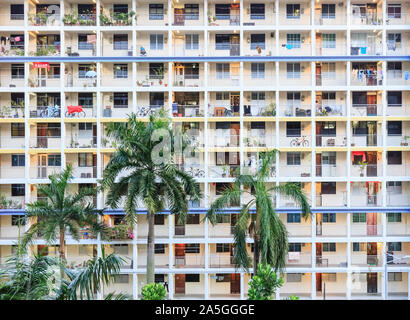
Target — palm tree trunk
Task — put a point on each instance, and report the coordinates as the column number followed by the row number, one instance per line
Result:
column 150, row 250
column 255, row 251
column 62, row 245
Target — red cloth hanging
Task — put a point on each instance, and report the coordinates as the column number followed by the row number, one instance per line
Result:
column 359, row 153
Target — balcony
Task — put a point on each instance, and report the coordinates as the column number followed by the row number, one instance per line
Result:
column 369, row 50
column 331, row 79
column 259, row 110
column 45, row 50
column 219, row 260
column 187, row 19
column 294, row 16
column 397, row 79
column 252, row 141
column 367, row 80
column 299, row 260
column 37, row 81
column 10, row 232
column 221, row 139
column 287, row 80
column 223, row 171
column 11, row 82
column 330, row 170
column 325, row 229
column 80, row 82
column 43, row 172
column 45, row 112
column 80, row 50
column 8, row 142
column 231, row 19
column 397, row 110
column 402, row 170
column 368, row 170
column 359, row 18
column 189, row 230
column 364, row 285
column 225, row 50
column 188, row 81
column 362, row 259
column 8, row 50
column 303, row 141
column 8, row 172
column 331, row 260
column 366, row 140
column 302, row 287
column 396, row 140
column 189, row 261
column 332, row 200
column 10, row 19
column 117, row 19
column 298, row 229
column 44, row 19
column 330, row 19
column 401, row 18
column 365, row 200
column 295, row 171
column 189, row 111
column 75, row 141
column 185, row 51
column 396, row 199
column 366, row 110
column 331, row 141
column 45, row 142
column 147, row 80
column 295, row 111
column 300, row 49
column 83, row 20
column 12, row 202
column 363, row 229
column 223, row 110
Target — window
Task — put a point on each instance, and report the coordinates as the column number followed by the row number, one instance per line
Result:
column 257, row 70
column 293, row 277
column 359, row 217
column 328, row 128
column 159, row 248
column 17, row 160
column 220, row 96
column 330, row 277
column 394, row 128
column 220, row 277
column 328, row 187
column 120, row 100
column 293, row 217
column 295, row 247
column 223, row 247
column 394, row 157
column 222, row 11
column 85, row 159
column 394, row 11
column 83, row 69
column 255, row 96
column 86, row 99
column 394, row 246
column 17, row 71
column 395, row 276
column 222, row 42
column 18, row 220
column 121, row 278
column 328, row 11
column 257, row 11
column 83, row 44
column 17, row 130
column 359, row 246
column 293, row 158
column 156, row 99
column 329, row 217
column 159, row 219
column 156, row 11
column 329, row 40
column 156, row 71
column 393, row 217
column 394, row 70
column 17, row 12
column 223, row 218
column 394, row 187
column 329, row 158
column 17, row 190
column 222, row 71
column 192, row 248
column 192, row 277
column 293, row 129
column 257, row 40
column 85, row 126
column 54, row 129
column 54, row 160
column 156, row 41
column 293, row 11
column 394, row 98
column 120, row 8
column 192, row 219
column 329, row 247
column 293, row 70
column 120, row 41
column 191, row 11
column 360, row 129
column 293, row 39
column 192, row 41
column 120, row 71
column 17, row 99
column 159, row 278
column 191, row 71
column 393, row 41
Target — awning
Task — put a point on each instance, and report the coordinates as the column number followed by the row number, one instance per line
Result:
column 359, row 153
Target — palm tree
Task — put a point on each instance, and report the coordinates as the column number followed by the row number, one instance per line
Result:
column 269, row 233
column 133, row 172
column 61, row 212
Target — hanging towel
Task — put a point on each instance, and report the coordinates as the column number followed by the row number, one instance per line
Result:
column 406, row 75
column 288, row 46
column 363, row 50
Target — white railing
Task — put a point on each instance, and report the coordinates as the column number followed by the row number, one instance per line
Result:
column 398, row 18
column 366, row 110
column 365, row 200
column 331, row 260
column 295, row 79
column 331, row 141
column 42, row 172
column 189, row 260
column 331, row 200
column 363, row 259
column 9, row 142
column 329, row 170
column 186, row 19
column 295, row 171
column 331, row 230
column 371, row 19
column 295, row 111
column 301, row 49
column 298, row 259
column 333, row 79
column 45, row 142
column 366, row 140
column 223, row 171
column 221, row 261
column 398, row 79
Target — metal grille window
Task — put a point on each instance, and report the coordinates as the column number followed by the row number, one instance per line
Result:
column 156, row 41
column 394, row 98
column 293, row 129
column 83, row 69
column 120, row 100
column 17, row 130
column 329, row 217
column 191, row 71
column 328, row 187
column 257, row 11
column 85, row 126
column 85, row 160
column 394, row 217
column 394, row 246
column 329, row 158
column 120, row 8
column 191, row 11
column 17, row 71
column 83, row 44
column 359, row 217
column 293, row 39
column 222, row 71
column 295, row 247
column 293, row 70
column 221, row 96
column 17, row 12
column 393, row 41
column 156, row 11
column 293, row 217
column 394, row 128
column 329, row 40
column 394, row 11
column 192, row 248
column 257, row 40
column 18, row 190
column 359, row 246
column 191, row 41
column 85, row 99
column 258, row 95
column 257, row 70
column 160, row 278
column 156, row 99
column 394, row 70
column 394, row 187
column 328, row 11
column 17, row 99
column 223, row 247
column 395, row 276
column 394, row 157
column 54, row 160
column 159, row 248
column 192, row 277
column 293, row 11
column 156, row 70
column 222, row 42
column 120, row 41
column 329, row 247
column 120, row 71
column 293, row 277
column 17, row 160
column 222, row 11
column 328, row 128
column 293, row 158
column 329, row 70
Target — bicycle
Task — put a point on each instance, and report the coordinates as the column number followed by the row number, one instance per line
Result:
column 143, row 111
column 196, row 172
column 50, row 112
column 299, row 142
column 72, row 111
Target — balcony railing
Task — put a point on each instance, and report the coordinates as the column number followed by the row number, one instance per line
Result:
column 329, row 170
column 45, row 112
column 221, row 260
column 224, row 20
column 331, row 200
column 375, row 50
column 259, row 110
column 74, row 141
column 45, row 142
column 188, row 81
column 223, row 171
column 8, row 172
column 190, row 261
column 261, row 140
column 258, row 19
column 331, row 260
column 398, row 18
column 295, row 111
column 194, row 170
column 398, row 229
column 331, row 230
column 365, row 200
column 395, row 140
column 330, row 19
column 395, row 199
column 331, row 141
column 80, row 82
column 225, row 50
column 296, row 19
column 187, row 19
column 398, row 169
column 397, row 78
column 299, row 260
column 295, row 171
column 366, row 110
column 12, row 19
column 36, row 81
column 11, row 51
column 44, row 19
column 300, row 49
column 366, row 140
column 45, row 50
column 332, row 79
column 223, row 111
column 365, row 260
column 295, row 79
column 397, row 109
column 11, row 112
column 11, row 232
column 367, row 80
column 89, row 172
column 82, row 50
column 295, row 141
column 74, row 19
column 369, row 19
column 42, row 172
column 188, row 111
column 8, row 142
column 297, row 230
column 11, row 81
column 370, row 170
column 359, row 229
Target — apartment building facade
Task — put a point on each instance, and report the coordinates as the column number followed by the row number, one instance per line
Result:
column 324, row 81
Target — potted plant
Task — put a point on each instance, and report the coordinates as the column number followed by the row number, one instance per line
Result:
column 362, row 165
column 225, row 170
column 404, row 142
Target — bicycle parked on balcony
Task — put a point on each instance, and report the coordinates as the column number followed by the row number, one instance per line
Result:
column 73, row 111
column 299, row 142
column 50, row 112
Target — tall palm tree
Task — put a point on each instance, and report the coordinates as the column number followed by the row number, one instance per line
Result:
column 269, row 233
column 133, row 172
column 62, row 211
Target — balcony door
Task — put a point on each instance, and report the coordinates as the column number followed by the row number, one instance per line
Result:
column 42, row 166
column 372, row 282
column 318, row 282
column 178, row 16
column 180, row 254
column 318, row 227
column 372, row 253
column 235, row 49
column 235, row 283
column 371, row 168
column 179, row 283
column 42, row 132
column 371, row 222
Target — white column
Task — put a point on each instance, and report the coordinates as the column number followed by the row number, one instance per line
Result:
column 135, row 286
column 206, row 285
column 171, row 285
column 349, row 285
column 408, row 285
column 313, row 286
column 242, row 283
